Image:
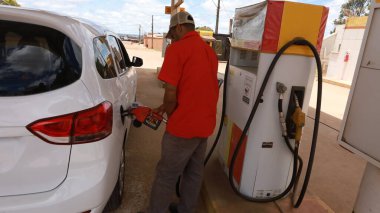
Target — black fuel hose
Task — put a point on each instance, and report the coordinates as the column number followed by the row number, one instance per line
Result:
column 316, row 123
column 296, row 41
column 222, row 115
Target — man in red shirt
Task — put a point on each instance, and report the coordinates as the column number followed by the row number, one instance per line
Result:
column 190, row 101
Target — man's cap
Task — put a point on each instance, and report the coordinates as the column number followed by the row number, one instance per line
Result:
column 181, row 18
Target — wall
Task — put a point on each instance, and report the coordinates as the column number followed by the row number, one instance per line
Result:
column 328, row 45
column 326, row 49
column 157, row 42
column 347, row 41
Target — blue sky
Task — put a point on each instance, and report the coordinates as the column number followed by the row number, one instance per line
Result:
column 125, row 16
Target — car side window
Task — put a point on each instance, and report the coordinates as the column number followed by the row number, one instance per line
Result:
column 103, row 58
column 124, row 51
column 119, row 57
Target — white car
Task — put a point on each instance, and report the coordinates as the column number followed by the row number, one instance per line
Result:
column 63, row 82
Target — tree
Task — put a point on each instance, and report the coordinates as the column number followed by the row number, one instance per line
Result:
column 204, row 28
column 353, row 8
column 10, row 3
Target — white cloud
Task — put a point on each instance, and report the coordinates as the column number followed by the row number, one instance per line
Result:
column 141, row 13
column 66, row 6
column 126, row 16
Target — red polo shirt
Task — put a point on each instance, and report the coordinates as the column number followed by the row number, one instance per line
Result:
column 191, row 65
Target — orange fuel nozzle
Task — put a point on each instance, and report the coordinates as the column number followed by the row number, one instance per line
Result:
column 298, row 118
column 145, row 115
column 142, row 115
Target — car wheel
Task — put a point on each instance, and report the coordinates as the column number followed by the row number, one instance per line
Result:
column 117, row 194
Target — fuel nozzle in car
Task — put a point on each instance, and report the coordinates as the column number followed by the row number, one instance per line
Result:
column 143, row 115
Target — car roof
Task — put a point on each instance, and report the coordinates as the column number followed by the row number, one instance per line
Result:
column 43, row 17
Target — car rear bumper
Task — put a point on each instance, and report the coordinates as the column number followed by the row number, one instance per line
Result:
column 91, row 177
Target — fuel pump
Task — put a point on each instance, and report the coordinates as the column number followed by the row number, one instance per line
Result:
column 274, row 50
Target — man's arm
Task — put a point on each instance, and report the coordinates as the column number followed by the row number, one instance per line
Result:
column 170, row 100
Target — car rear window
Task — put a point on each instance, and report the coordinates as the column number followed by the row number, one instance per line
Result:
column 36, row 59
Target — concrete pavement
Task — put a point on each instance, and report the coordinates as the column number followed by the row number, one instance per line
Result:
column 336, row 173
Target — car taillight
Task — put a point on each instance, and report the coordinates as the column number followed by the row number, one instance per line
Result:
column 80, row 127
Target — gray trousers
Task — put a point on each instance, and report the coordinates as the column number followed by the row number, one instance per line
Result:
column 179, row 156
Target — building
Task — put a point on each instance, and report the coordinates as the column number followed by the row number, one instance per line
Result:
column 342, row 48
column 157, row 41
column 327, row 48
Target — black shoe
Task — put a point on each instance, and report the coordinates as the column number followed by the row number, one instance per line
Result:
column 173, row 208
